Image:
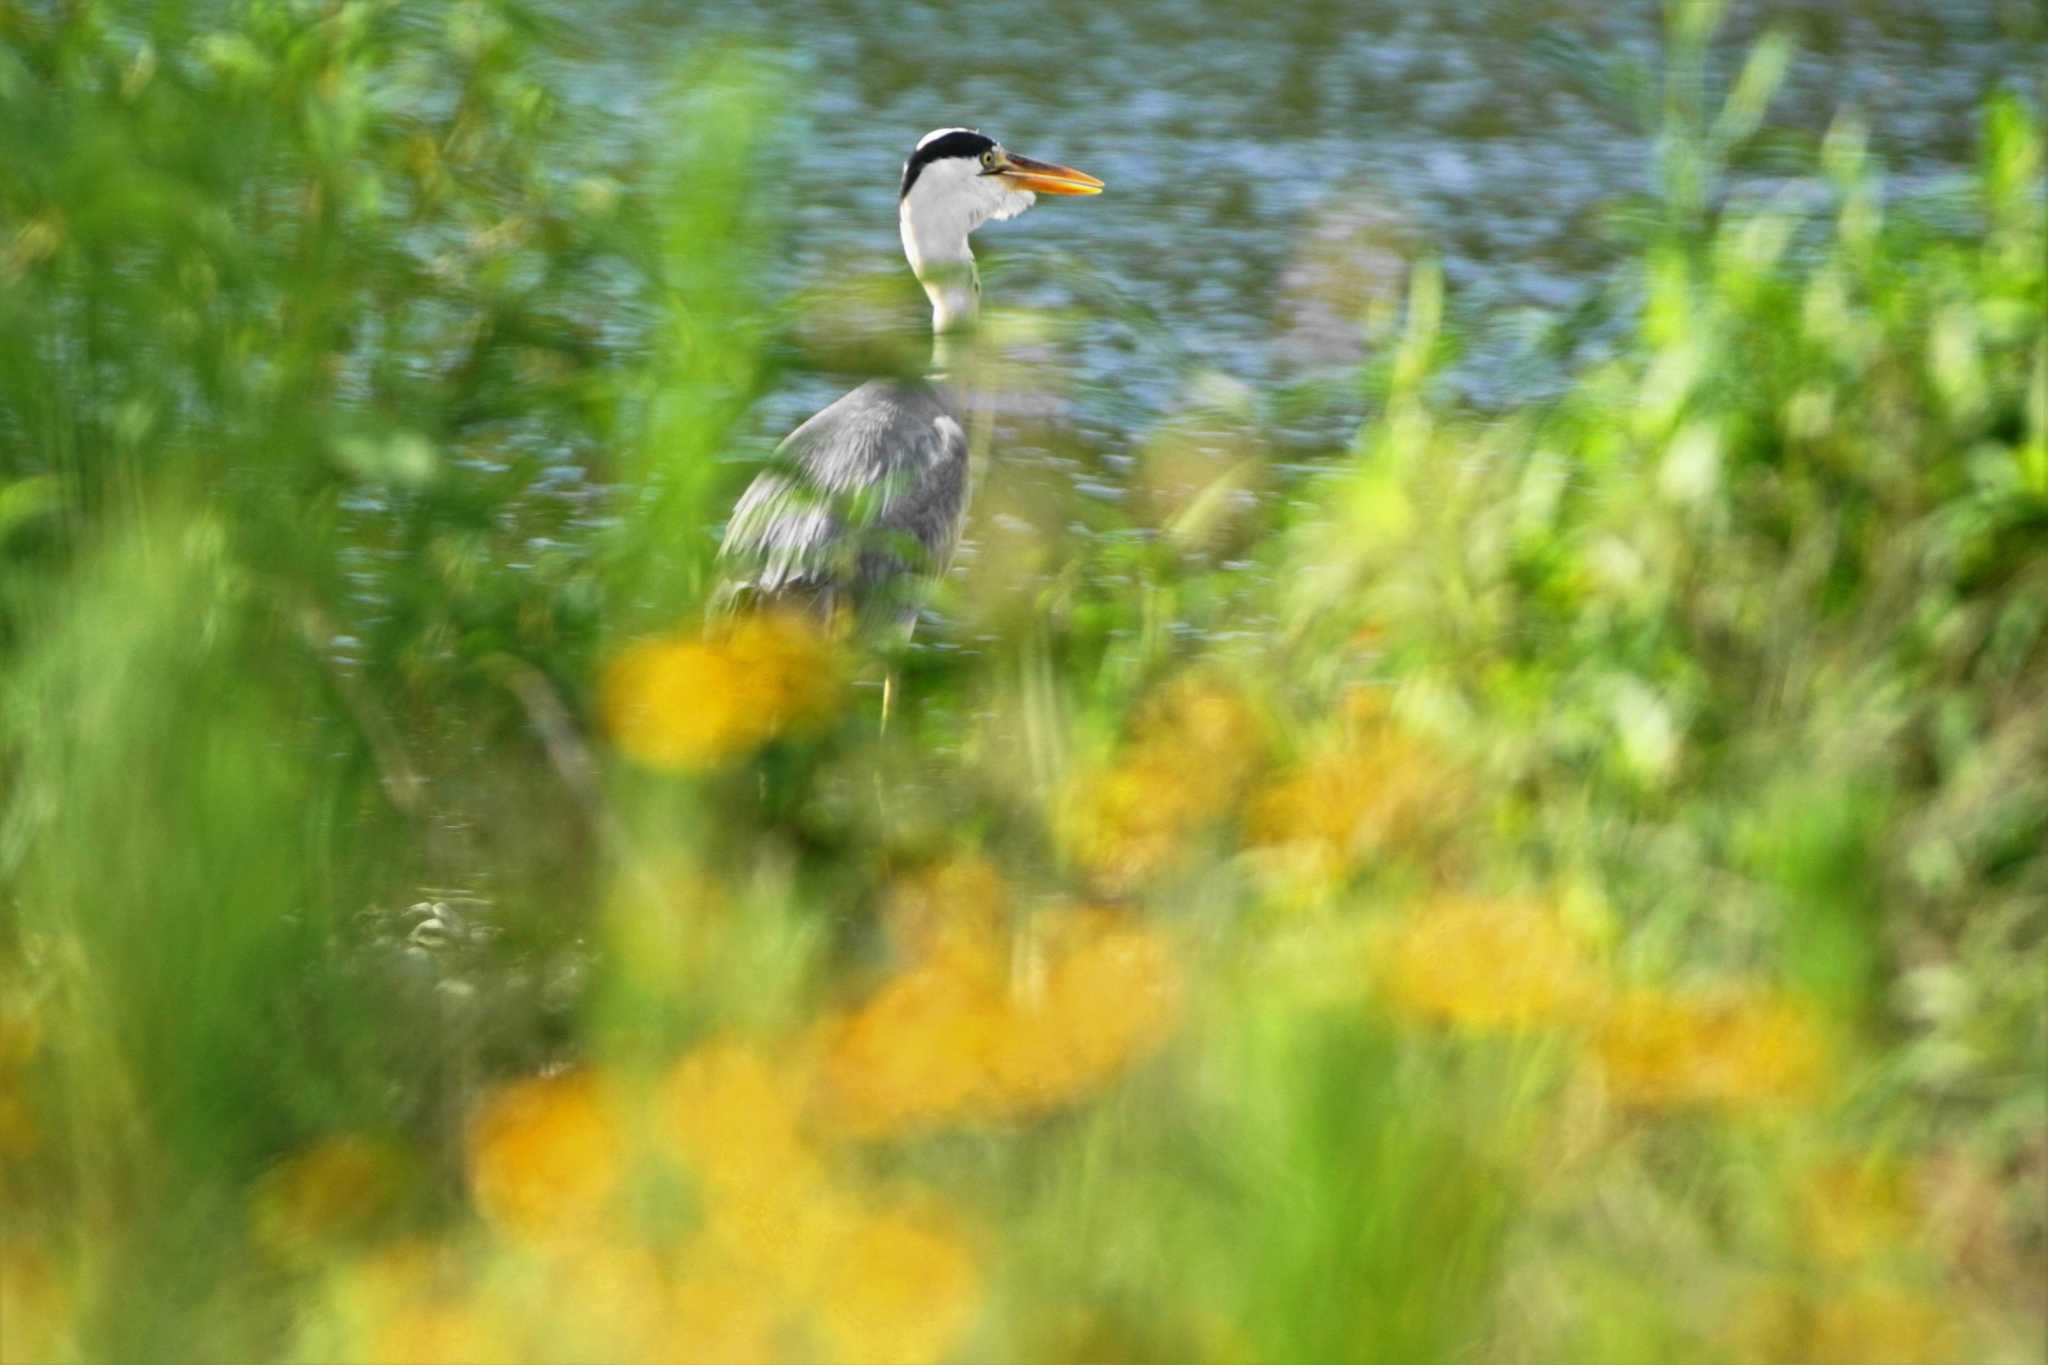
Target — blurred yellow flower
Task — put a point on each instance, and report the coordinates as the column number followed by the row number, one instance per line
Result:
column 678, row 703
column 734, row 1122
column 916, row 1053
column 1884, row 1322
column 336, row 1189
column 1744, row 1050
column 1375, row 789
column 1205, row 716
column 1112, row 997
column 1486, row 966
column 20, row 1135
column 1854, row 1210
column 955, row 1040
column 21, row 1033
column 1195, row 742
column 606, row 1300
column 544, row 1155
column 730, row 1114
column 388, row 1286
column 36, row 1307
column 780, row 1240
column 720, row 1320
column 1863, row 1324
column 21, row 1037
column 902, row 1290
column 792, row 663
column 442, row 1332
column 1126, row 824
column 695, row 701
column 771, row 1211
column 387, row 1277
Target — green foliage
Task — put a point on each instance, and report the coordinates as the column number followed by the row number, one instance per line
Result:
column 361, row 402
column 1783, row 556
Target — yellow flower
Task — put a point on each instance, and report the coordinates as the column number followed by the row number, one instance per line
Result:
column 770, row 1208
column 1486, row 966
column 733, row 1120
column 1127, row 824
column 734, row 1123
column 36, row 1307
column 448, row 1332
column 1383, row 787
column 954, row 1040
column 381, row 1281
column 21, row 1037
column 407, row 1299
column 1883, row 1322
column 718, row 1319
column 544, row 1155
column 334, row 1190
column 605, row 1302
column 902, row 1289
column 1745, row 1050
column 21, row 1034
column 1112, row 998
column 21, row 1137
column 678, row 703
column 1209, row 721
column 1854, row 1210
column 917, row 1053
column 1194, row 744
column 1866, row 1323
column 792, row 665
column 695, row 701
column 1375, row 787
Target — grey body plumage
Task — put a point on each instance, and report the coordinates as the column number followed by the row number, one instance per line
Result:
column 870, row 495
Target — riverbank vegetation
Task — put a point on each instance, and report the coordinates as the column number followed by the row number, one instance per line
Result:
column 1557, row 883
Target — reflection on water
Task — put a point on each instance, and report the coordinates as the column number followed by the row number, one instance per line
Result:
column 1231, row 135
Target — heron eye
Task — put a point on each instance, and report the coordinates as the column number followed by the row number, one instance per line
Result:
column 988, row 159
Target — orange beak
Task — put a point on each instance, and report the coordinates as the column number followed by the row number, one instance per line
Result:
column 1043, row 177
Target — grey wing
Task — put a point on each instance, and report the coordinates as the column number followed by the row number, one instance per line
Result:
column 783, row 534
column 872, row 487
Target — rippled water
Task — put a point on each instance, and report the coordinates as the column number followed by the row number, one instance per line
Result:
column 1252, row 150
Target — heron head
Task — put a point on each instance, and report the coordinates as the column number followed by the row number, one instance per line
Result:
column 957, row 179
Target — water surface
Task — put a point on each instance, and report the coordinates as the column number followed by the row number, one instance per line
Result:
column 1264, row 160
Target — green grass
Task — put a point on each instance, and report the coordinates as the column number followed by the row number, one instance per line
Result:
column 1691, row 722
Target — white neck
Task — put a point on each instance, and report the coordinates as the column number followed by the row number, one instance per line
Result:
column 934, row 232
column 950, row 199
column 955, row 292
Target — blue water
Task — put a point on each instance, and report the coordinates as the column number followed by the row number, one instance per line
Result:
column 1269, row 165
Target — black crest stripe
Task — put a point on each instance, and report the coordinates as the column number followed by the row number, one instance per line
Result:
column 959, row 142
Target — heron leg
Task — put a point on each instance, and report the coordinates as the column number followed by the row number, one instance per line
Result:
column 907, row 623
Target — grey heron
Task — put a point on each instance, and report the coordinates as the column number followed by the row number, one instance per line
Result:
column 872, row 492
